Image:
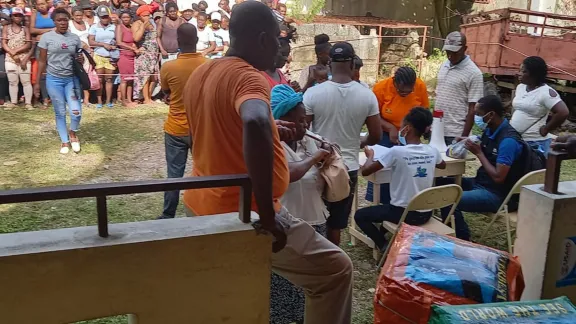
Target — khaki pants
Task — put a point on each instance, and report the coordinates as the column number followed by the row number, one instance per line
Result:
column 319, row 267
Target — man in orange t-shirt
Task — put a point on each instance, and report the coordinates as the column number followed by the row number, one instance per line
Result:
column 396, row 96
column 228, row 107
column 173, row 78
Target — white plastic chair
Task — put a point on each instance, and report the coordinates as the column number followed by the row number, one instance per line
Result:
column 431, row 198
column 534, row 177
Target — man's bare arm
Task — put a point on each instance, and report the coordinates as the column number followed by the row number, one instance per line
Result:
column 259, row 155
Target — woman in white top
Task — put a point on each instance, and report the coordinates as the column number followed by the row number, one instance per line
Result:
column 413, row 165
column 303, row 198
column 79, row 27
column 533, row 101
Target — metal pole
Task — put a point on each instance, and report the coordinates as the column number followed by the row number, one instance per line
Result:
column 102, row 211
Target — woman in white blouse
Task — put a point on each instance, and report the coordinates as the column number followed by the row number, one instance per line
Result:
column 533, row 102
column 303, row 199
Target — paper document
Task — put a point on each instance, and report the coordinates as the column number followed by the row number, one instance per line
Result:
column 379, row 151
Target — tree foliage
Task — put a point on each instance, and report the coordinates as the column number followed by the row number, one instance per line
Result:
column 304, row 13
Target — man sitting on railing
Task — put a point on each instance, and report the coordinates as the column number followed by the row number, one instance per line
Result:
column 228, row 108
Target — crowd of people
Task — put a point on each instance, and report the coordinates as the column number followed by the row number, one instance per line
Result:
column 281, row 131
column 125, row 43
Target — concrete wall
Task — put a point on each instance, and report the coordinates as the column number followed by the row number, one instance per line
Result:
column 366, row 47
column 211, row 269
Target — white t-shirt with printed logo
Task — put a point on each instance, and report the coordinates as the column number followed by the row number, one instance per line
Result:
column 531, row 109
column 413, row 169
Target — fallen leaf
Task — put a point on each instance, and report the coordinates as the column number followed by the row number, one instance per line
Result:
column 371, row 290
column 10, row 163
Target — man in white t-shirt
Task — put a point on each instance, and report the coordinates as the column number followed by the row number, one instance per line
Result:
column 533, row 102
column 206, row 41
column 412, row 165
column 337, row 110
column 221, row 36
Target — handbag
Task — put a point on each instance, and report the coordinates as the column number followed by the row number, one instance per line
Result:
column 94, row 79
column 79, row 71
column 335, row 173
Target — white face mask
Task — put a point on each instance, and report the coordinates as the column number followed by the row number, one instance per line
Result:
column 401, row 138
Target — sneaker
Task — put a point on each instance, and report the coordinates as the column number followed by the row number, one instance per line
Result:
column 29, row 107
column 64, row 149
column 98, row 106
column 75, row 146
column 110, row 105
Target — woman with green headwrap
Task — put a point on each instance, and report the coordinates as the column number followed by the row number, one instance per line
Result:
column 303, row 198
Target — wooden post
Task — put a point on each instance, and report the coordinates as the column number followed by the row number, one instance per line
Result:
column 553, row 165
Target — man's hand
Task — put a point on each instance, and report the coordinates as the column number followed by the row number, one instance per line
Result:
column 296, row 86
column 459, row 139
column 287, row 130
column 23, row 64
column 278, row 231
column 474, row 148
column 565, row 143
column 393, row 134
column 543, row 131
column 321, row 155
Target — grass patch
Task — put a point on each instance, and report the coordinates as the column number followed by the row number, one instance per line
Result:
column 127, row 144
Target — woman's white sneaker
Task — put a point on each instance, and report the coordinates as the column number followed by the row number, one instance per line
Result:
column 64, row 150
column 75, row 147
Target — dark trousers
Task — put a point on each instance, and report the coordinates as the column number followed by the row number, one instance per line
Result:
column 366, row 217
column 475, row 199
column 177, row 148
column 384, row 188
column 340, row 210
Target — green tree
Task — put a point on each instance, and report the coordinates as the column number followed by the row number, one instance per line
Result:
column 297, row 11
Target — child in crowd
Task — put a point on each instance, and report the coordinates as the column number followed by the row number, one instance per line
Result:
column 321, row 74
column 412, row 165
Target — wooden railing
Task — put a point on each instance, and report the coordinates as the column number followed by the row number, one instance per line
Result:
column 103, row 190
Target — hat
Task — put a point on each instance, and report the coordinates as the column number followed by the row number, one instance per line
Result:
column 85, row 4
column 453, row 42
column 342, row 52
column 16, row 11
column 216, row 16
column 102, row 11
column 194, row 7
column 158, row 14
column 27, row 11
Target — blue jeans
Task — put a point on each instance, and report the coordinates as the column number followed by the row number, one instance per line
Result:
column 177, row 148
column 475, row 199
column 384, row 188
column 65, row 91
column 543, row 146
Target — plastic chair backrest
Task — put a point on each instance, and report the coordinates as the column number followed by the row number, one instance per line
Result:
column 435, row 198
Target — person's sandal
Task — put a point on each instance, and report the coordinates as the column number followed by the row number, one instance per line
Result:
column 29, row 107
column 9, row 106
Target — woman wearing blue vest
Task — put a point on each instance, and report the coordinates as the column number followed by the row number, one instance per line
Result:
column 503, row 155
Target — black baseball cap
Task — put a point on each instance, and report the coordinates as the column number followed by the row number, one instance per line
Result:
column 342, row 52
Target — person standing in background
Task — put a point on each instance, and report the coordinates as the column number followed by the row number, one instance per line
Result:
column 40, row 23
column 188, row 16
column 337, row 111
column 103, row 38
column 322, row 48
column 460, row 86
column 533, row 102
column 177, row 141
column 58, row 49
column 89, row 16
column 146, row 64
column 221, row 36
column 358, row 64
column 167, row 39
column 16, row 43
column 80, row 28
column 4, row 21
column 225, row 5
column 275, row 76
column 206, row 40
column 128, row 51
